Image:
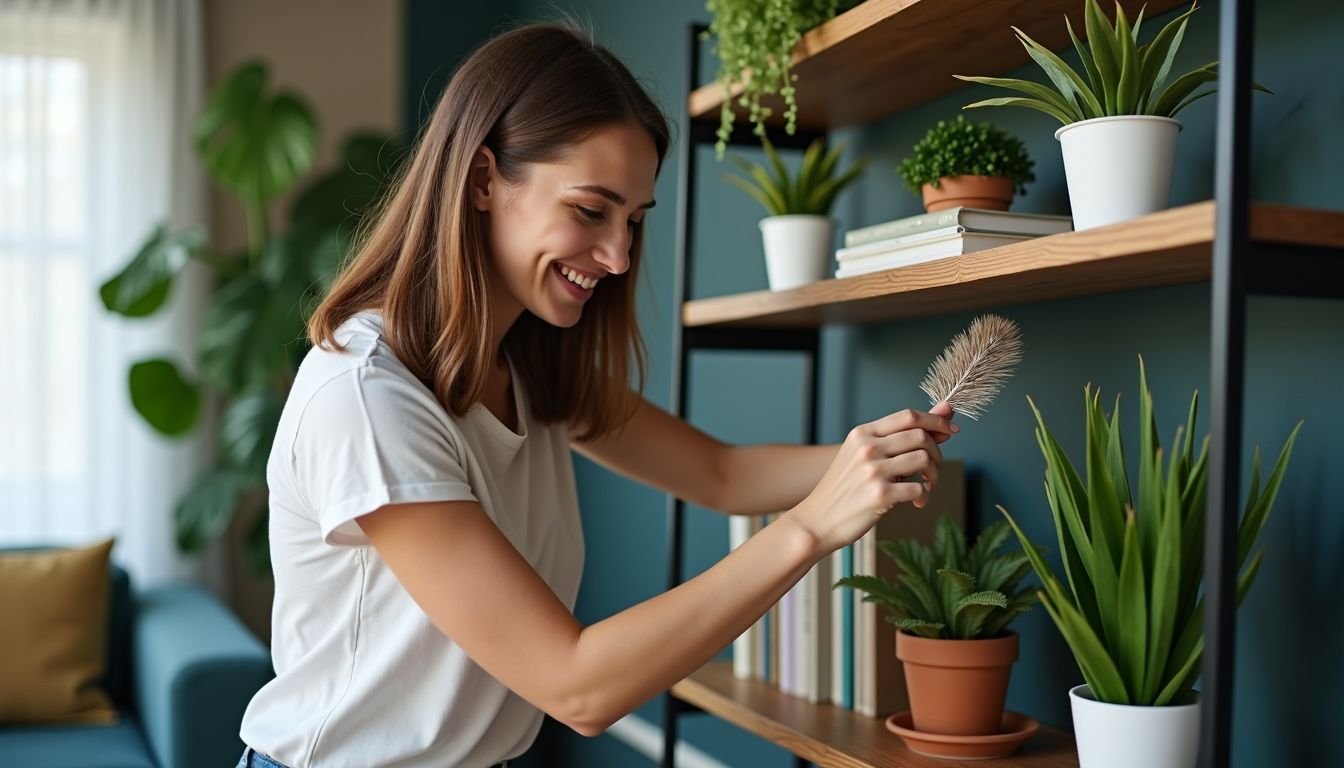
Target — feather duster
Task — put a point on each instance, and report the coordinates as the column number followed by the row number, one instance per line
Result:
column 972, row 370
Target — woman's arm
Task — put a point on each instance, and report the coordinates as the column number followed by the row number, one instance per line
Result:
column 663, row 451
column 483, row 594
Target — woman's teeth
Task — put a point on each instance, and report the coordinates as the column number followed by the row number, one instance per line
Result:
column 577, row 279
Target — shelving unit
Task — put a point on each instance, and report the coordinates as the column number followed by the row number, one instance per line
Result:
column 847, row 75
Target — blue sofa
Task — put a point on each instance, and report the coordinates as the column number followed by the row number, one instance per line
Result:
column 181, row 668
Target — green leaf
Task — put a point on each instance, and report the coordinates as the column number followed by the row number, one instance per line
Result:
column 1093, row 77
column 1088, row 651
column 1158, row 57
column 1166, row 103
column 1018, row 101
column 163, row 397
column 1254, row 518
column 208, row 506
column 1017, row 605
column 142, row 286
column 917, row 562
column 1115, row 458
column 1150, row 480
column 1127, row 87
column 1068, row 82
column 1184, row 676
column 247, row 429
column 1101, row 37
column 973, row 610
column 918, row 627
column 1104, row 515
column 255, row 144
column 1132, row 610
column 1035, row 90
column 771, row 204
column 247, row 329
column 949, row 544
column 823, row 196
column 1166, row 597
column 953, row 585
column 986, row 544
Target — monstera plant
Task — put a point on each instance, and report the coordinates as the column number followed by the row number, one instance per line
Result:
column 255, row 144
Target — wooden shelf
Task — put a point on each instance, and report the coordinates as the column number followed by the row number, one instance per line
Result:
column 833, row 736
column 885, row 55
column 1165, row 248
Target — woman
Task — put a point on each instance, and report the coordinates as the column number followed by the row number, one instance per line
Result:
column 424, row 524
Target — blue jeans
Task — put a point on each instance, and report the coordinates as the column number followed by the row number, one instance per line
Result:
column 254, row 759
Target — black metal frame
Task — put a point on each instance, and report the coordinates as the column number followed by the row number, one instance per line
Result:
column 687, row 340
column 1298, row 271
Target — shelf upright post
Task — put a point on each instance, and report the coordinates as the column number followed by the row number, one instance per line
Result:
column 1231, row 250
column 681, row 278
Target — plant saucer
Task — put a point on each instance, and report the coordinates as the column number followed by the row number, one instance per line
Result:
column 1016, row 729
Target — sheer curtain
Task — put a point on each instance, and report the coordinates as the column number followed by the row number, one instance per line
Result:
column 96, row 103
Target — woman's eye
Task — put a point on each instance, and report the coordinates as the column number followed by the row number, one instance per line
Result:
column 589, row 213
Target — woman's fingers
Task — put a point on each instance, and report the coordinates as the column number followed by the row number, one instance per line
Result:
column 910, row 418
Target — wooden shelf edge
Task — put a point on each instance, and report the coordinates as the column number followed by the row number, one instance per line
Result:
column 844, row 65
column 833, row 736
column 1169, row 247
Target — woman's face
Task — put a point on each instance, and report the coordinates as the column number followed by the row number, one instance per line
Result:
column 561, row 233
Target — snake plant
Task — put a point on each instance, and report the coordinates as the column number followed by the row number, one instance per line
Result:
column 951, row 591
column 811, row 191
column 1132, row 612
column 1121, row 77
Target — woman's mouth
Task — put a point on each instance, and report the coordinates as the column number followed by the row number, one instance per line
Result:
column 580, row 290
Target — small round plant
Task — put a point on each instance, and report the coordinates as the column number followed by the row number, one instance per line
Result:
column 959, row 148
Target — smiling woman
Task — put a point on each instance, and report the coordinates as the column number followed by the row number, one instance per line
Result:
column 425, row 529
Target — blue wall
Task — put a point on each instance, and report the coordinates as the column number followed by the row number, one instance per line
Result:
column 1290, row 675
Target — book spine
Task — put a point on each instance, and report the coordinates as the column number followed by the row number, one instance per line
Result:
column 739, row 530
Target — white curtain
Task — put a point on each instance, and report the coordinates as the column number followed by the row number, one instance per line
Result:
column 96, row 103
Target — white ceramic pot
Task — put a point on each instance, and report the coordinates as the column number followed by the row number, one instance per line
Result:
column 1120, row 736
column 797, row 249
column 1118, row 167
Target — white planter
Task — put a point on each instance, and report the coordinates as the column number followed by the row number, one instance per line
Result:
column 1119, row 736
column 1118, row 167
column 797, row 249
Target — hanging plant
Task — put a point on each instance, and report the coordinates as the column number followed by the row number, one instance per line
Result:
column 754, row 43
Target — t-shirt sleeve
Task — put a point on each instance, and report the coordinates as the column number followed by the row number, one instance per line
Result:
column 370, row 437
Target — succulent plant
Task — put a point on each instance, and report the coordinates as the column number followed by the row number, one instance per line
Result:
column 812, row 190
column 951, row 591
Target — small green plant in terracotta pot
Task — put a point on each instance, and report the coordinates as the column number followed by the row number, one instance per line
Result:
column 952, row 605
column 975, row 165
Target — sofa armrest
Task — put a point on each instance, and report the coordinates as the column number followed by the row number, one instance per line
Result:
column 196, row 668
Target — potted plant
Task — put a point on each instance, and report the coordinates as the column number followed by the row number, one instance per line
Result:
column 957, row 163
column 1132, row 612
column 256, row 144
column 799, row 232
column 1119, row 128
column 754, row 43
column 952, row 605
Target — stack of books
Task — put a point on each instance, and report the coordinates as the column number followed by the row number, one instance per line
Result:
column 938, row 235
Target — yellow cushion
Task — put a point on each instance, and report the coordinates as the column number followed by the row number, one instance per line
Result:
column 53, row 636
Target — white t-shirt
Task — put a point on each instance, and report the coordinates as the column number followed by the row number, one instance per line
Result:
column 363, row 678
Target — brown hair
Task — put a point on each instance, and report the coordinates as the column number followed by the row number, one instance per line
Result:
column 528, row 95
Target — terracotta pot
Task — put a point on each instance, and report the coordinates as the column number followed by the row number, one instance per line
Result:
column 957, row 687
column 994, row 193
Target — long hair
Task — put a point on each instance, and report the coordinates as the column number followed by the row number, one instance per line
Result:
column 528, row 95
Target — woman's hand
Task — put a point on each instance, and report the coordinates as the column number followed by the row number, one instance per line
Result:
column 878, row 467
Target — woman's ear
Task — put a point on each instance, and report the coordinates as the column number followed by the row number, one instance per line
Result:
column 483, row 178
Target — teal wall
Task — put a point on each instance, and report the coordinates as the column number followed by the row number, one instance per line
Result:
column 1290, row 677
